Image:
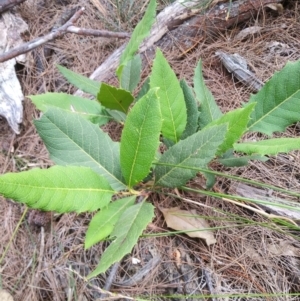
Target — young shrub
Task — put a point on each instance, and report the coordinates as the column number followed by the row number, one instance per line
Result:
column 92, row 169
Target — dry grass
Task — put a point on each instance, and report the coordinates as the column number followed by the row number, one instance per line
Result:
column 43, row 264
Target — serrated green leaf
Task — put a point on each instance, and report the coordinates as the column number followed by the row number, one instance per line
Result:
column 114, row 98
column 241, row 161
column 131, row 74
column 81, row 82
column 141, row 31
column 195, row 151
column 237, row 121
column 88, row 109
column 61, row 189
column 269, row 146
column 171, row 98
column 127, row 231
column 191, row 108
column 144, row 89
column 209, row 110
column 277, row 103
column 72, row 140
column 140, row 138
column 102, row 224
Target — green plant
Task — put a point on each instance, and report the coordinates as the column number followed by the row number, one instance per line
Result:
column 91, row 168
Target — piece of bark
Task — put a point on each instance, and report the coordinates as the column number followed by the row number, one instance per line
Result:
column 7, row 4
column 237, row 65
column 180, row 27
column 11, row 95
column 264, row 195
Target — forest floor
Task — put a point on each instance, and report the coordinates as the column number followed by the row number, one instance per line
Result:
column 258, row 258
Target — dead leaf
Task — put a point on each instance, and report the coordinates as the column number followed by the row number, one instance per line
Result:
column 183, row 220
column 276, row 6
column 247, row 32
column 5, row 296
column 283, row 248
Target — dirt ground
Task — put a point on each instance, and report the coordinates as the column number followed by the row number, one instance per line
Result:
column 252, row 255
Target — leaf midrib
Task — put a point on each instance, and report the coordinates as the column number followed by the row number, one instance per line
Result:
column 137, row 148
column 56, row 188
column 125, row 235
column 117, row 101
column 88, row 155
column 269, row 112
column 196, row 150
column 206, row 92
column 169, row 107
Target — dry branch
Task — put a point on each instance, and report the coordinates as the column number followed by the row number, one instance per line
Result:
column 59, row 32
column 40, row 41
column 7, row 4
column 97, row 33
column 180, row 27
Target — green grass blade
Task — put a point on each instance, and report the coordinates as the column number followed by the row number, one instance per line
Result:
column 140, row 138
column 86, row 108
column 195, row 151
column 61, row 189
column 131, row 74
column 277, row 103
column 114, row 98
column 127, row 231
column 171, row 98
column 294, row 206
column 140, row 32
column 235, row 178
column 241, row 161
column 237, row 121
column 191, row 109
column 209, row 110
column 79, row 81
column 269, row 146
column 72, row 140
column 102, row 224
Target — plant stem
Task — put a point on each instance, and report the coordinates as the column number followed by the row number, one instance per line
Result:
column 240, row 198
column 233, row 178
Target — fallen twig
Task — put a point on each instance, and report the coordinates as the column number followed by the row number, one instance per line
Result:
column 59, row 32
column 112, row 296
column 98, row 33
column 172, row 32
column 210, row 286
column 110, row 279
column 7, row 4
column 40, row 259
column 40, row 41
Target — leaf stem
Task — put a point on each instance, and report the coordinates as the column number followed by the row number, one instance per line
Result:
column 239, row 198
column 233, row 178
